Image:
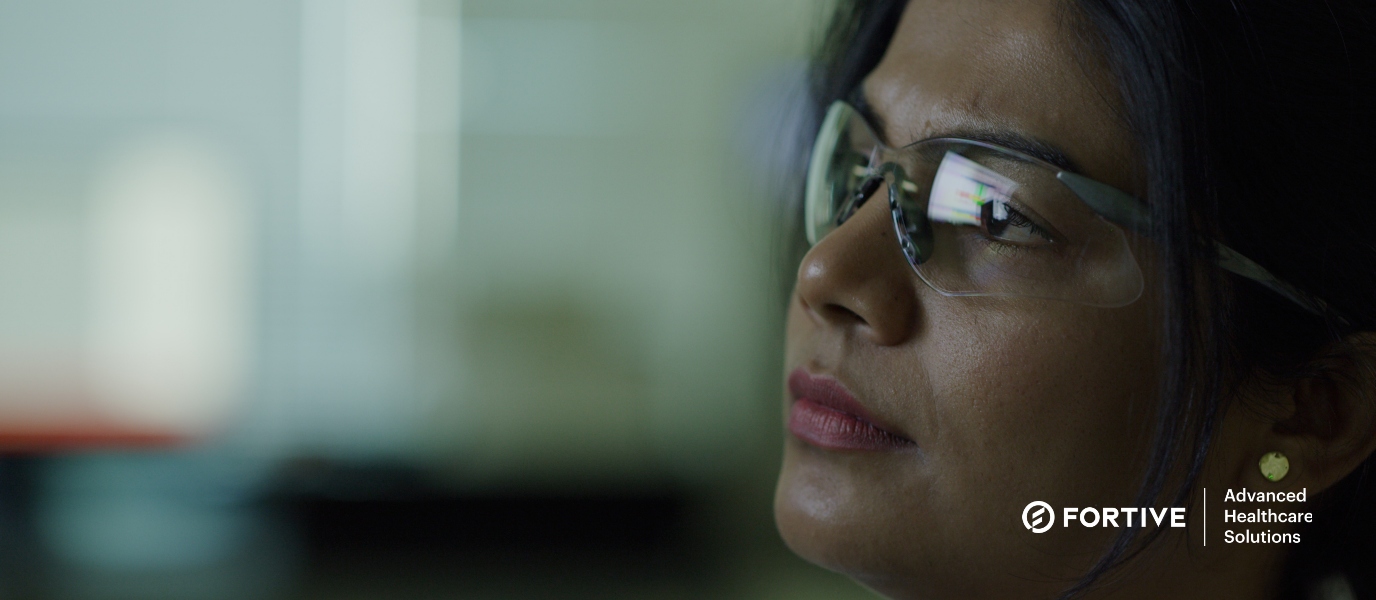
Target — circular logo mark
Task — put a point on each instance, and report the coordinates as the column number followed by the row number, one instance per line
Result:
column 1038, row 516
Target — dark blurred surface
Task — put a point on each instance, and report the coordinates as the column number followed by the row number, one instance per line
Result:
column 386, row 532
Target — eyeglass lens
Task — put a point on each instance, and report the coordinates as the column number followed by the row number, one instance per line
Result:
column 973, row 219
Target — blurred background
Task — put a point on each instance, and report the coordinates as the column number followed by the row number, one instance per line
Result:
column 396, row 298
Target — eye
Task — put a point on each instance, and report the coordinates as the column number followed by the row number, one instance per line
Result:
column 1004, row 223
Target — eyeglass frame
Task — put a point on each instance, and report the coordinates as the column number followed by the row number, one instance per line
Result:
column 1114, row 205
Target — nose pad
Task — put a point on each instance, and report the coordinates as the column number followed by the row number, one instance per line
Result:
column 857, row 277
column 857, row 200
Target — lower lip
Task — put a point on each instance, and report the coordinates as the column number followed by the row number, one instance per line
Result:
column 832, row 429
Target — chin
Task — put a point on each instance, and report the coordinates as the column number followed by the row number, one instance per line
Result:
column 836, row 547
column 822, row 517
column 840, row 520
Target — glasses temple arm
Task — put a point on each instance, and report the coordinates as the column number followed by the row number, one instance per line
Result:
column 1119, row 207
column 1128, row 212
column 1234, row 262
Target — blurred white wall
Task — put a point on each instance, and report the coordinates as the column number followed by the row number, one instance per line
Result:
column 511, row 241
column 613, row 256
column 143, row 149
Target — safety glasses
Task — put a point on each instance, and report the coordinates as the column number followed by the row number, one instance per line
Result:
column 979, row 219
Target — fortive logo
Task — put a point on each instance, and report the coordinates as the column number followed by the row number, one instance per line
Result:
column 1040, row 519
column 1038, row 516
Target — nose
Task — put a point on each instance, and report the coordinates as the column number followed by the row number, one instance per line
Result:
column 857, row 277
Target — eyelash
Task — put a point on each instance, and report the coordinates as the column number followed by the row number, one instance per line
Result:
column 1006, row 248
column 1022, row 220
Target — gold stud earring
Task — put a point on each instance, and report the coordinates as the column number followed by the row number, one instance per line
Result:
column 1274, row 466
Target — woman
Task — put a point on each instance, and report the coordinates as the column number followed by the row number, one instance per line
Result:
column 1101, row 254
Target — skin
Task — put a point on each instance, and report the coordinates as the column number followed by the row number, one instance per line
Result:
column 1010, row 400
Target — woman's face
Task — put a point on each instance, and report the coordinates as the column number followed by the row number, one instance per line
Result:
column 986, row 404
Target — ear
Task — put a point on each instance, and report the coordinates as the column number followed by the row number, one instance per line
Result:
column 1326, row 422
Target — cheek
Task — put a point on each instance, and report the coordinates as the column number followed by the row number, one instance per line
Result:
column 1052, row 407
column 1043, row 402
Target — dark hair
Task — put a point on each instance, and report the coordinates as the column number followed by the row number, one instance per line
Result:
column 1240, row 112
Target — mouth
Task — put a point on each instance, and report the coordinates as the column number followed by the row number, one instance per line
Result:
column 825, row 415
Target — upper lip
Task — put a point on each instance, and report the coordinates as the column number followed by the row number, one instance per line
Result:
column 830, row 393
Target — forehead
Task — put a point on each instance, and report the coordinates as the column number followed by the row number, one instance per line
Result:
column 961, row 65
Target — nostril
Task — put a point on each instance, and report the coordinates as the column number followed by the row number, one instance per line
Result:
column 827, row 309
column 840, row 314
column 836, row 314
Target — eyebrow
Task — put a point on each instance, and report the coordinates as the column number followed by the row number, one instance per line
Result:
column 1008, row 138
